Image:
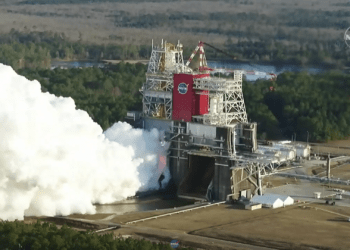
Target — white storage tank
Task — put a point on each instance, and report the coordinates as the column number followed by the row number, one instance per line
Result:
column 220, row 101
column 303, row 151
column 317, row 195
column 213, row 105
column 338, row 196
column 288, row 154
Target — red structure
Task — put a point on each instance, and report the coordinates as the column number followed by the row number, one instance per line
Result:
column 186, row 102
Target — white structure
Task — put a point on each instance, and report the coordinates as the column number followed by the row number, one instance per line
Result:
column 287, row 200
column 317, row 195
column 273, row 200
column 253, row 206
column 268, row 201
column 226, row 96
column 302, row 151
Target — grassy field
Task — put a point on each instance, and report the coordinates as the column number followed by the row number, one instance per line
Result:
column 283, row 228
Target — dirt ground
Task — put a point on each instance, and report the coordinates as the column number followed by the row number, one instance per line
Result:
column 225, row 226
column 275, row 181
column 342, row 143
column 96, row 21
column 88, row 216
column 338, row 147
column 297, row 227
column 342, row 172
column 284, row 228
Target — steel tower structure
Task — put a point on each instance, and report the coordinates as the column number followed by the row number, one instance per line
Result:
column 205, row 121
column 157, row 91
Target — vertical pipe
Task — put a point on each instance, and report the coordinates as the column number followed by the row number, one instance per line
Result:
column 259, row 181
column 329, row 166
column 234, row 141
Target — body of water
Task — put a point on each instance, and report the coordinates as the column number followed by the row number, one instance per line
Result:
column 260, row 68
column 76, row 64
column 270, row 68
column 140, row 205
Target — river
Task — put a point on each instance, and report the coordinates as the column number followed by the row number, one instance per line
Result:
column 225, row 64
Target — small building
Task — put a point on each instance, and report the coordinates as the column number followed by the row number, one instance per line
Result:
column 273, row 200
column 302, row 151
column 253, row 206
column 317, row 195
column 287, row 200
column 268, row 201
column 338, row 196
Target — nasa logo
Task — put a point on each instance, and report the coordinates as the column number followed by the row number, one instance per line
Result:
column 182, row 88
column 174, row 243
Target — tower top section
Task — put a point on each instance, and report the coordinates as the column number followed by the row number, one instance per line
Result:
column 179, row 92
column 166, row 59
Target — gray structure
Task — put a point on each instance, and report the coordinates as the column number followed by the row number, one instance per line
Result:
column 216, row 154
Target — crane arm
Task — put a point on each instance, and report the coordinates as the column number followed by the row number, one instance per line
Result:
column 233, row 57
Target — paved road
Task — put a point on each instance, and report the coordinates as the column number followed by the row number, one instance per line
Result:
column 305, row 191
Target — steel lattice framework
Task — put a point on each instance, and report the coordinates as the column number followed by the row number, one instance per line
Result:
column 232, row 109
column 254, row 167
column 157, row 91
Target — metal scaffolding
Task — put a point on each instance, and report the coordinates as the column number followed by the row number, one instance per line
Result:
column 165, row 60
column 226, row 100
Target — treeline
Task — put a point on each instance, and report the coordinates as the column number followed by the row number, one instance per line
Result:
column 295, row 46
column 301, row 103
column 105, row 94
column 297, row 103
column 320, row 53
column 25, row 56
column 37, row 236
column 37, row 49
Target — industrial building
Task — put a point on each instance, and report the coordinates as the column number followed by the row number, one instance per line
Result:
column 213, row 150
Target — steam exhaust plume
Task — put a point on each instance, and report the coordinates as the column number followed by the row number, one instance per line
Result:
column 54, row 160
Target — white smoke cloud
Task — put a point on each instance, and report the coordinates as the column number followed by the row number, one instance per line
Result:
column 54, row 160
column 146, row 146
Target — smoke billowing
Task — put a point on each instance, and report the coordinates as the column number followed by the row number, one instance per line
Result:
column 54, row 160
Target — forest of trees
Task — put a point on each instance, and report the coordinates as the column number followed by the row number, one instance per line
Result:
column 18, row 235
column 295, row 103
column 37, row 49
column 106, row 94
column 301, row 103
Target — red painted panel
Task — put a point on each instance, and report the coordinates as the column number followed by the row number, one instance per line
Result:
column 186, row 102
column 183, row 103
column 202, row 101
column 202, row 104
